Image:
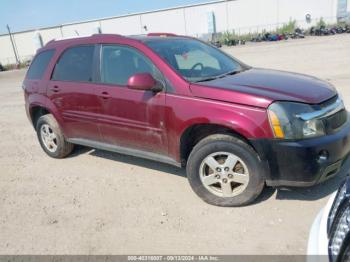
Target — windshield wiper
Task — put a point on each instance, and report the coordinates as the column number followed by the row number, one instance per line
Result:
column 234, row 72
column 207, row 79
column 220, row 76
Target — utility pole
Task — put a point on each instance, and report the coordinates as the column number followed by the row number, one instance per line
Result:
column 13, row 44
column 227, row 23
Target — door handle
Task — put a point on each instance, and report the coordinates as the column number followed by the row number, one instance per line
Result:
column 105, row 95
column 55, row 89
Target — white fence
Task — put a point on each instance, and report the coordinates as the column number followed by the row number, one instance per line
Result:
column 243, row 16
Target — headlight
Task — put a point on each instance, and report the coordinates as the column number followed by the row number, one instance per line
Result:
column 341, row 231
column 286, row 124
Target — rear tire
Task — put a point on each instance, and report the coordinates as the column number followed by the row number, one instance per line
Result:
column 225, row 171
column 51, row 137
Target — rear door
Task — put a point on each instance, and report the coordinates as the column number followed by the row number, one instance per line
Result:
column 71, row 89
column 130, row 118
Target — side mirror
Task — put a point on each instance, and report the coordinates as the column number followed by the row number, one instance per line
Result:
column 143, row 81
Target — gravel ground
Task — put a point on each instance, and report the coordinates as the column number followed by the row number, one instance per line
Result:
column 96, row 202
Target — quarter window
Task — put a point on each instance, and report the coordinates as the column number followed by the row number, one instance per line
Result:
column 75, row 64
column 121, row 62
column 39, row 65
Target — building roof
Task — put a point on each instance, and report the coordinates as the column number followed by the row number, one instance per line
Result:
column 120, row 16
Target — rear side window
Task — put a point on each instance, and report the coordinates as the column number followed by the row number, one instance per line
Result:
column 39, row 64
column 75, row 64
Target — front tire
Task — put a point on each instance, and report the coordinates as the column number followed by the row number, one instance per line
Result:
column 225, row 171
column 51, row 137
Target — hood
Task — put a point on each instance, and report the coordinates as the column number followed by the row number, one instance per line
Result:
column 260, row 87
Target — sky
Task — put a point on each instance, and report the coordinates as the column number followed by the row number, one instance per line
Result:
column 32, row 14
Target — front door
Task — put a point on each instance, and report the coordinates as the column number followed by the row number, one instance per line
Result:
column 130, row 118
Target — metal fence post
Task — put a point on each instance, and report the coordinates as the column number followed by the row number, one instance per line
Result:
column 13, row 44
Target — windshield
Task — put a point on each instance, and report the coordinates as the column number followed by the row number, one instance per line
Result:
column 194, row 60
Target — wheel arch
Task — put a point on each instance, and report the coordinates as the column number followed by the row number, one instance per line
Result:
column 196, row 132
column 39, row 106
column 36, row 111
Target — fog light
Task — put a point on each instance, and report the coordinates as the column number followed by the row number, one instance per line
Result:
column 323, row 155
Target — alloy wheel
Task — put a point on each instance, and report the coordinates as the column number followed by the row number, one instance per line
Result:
column 224, row 174
column 48, row 138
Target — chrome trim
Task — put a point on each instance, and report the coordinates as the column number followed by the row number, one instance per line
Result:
column 324, row 112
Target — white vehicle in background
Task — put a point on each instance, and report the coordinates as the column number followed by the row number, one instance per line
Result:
column 329, row 238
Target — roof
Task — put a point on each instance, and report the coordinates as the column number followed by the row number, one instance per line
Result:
column 105, row 37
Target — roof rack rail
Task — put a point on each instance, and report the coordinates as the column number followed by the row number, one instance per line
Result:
column 51, row 41
column 101, row 34
column 66, row 38
column 80, row 36
column 162, row 34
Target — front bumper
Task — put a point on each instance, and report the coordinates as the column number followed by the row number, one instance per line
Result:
column 298, row 163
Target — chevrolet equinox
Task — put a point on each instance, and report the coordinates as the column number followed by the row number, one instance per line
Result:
column 178, row 100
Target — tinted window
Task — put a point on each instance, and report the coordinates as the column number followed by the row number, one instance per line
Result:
column 194, row 60
column 39, row 64
column 120, row 62
column 75, row 64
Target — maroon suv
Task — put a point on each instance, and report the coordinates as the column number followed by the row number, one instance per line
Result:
column 177, row 100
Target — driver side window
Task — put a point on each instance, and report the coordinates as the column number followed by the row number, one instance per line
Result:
column 119, row 63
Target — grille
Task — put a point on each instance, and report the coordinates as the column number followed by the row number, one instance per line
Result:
column 336, row 120
column 329, row 101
